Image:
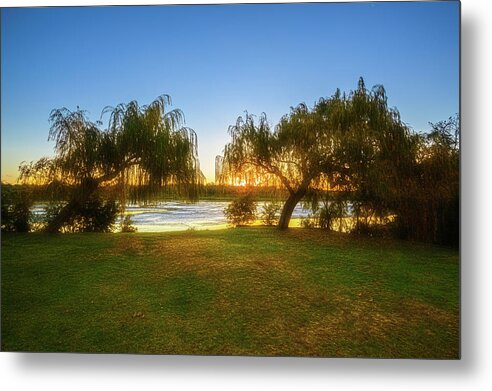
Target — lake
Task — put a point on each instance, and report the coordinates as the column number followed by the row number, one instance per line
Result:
column 180, row 216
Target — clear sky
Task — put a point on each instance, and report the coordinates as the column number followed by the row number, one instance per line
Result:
column 218, row 61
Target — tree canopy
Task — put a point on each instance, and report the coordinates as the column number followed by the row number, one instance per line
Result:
column 428, row 202
column 332, row 146
column 143, row 147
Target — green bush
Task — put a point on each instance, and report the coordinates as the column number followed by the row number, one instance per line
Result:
column 271, row 213
column 94, row 215
column 126, row 225
column 50, row 212
column 310, row 221
column 327, row 214
column 16, row 209
column 241, row 211
column 372, row 230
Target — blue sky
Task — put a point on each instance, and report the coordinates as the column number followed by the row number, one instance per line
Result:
column 218, row 61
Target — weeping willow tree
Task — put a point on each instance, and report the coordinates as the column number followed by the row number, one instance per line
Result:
column 413, row 177
column 143, row 148
column 291, row 155
column 342, row 144
column 353, row 149
column 376, row 152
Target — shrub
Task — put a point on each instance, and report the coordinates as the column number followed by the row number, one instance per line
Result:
column 126, row 224
column 16, row 209
column 241, row 211
column 50, row 212
column 372, row 230
column 270, row 214
column 310, row 221
column 363, row 228
column 95, row 215
column 326, row 215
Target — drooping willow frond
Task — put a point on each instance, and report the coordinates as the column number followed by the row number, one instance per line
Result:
column 145, row 146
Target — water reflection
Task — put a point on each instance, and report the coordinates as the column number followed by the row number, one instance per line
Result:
column 181, row 216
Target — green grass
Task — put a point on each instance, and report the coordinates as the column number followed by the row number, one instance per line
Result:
column 251, row 291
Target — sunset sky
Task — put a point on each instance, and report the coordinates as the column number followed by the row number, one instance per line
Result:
column 218, row 61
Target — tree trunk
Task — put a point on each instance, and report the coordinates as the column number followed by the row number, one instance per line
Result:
column 62, row 217
column 288, row 208
column 80, row 195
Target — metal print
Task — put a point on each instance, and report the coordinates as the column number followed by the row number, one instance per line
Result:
column 260, row 180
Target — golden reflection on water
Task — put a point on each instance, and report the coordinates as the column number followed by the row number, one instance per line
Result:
column 295, row 222
column 347, row 225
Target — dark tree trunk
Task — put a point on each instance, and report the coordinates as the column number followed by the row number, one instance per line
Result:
column 81, row 194
column 288, row 208
column 62, row 217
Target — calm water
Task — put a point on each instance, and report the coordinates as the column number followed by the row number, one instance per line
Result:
column 180, row 216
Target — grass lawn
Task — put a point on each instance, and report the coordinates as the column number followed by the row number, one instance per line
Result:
column 248, row 291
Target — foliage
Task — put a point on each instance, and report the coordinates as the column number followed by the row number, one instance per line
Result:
column 146, row 147
column 16, row 208
column 372, row 230
column 270, row 213
column 329, row 210
column 241, row 211
column 427, row 205
column 336, row 145
column 288, row 156
column 126, row 224
column 260, row 193
column 329, row 216
column 318, row 219
column 93, row 215
column 332, row 213
column 51, row 211
column 355, row 147
column 96, row 216
column 309, row 221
